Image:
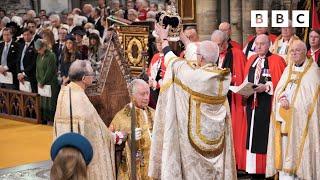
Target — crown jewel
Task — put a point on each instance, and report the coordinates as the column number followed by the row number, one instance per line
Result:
column 172, row 19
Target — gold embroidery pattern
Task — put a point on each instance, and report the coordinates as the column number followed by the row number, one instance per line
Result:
column 278, row 148
column 216, row 145
column 305, row 131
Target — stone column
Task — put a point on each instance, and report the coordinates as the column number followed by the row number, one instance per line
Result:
column 206, row 11
column 225, row 11
column 247, row 6
column 236, row 20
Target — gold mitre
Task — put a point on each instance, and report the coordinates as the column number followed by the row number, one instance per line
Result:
column 172, row 19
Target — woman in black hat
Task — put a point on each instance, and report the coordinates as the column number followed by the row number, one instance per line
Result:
column 78, row 35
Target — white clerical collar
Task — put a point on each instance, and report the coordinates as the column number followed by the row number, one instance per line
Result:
column 301, row 67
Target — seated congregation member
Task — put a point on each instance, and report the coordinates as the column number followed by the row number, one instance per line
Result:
column 27, row 61
column 9, row 51
column 86, row 121
column 46, row 74
column 70, row 54
column 143, row 130
column 156, row 73
column 314, row 41
column 71, row 153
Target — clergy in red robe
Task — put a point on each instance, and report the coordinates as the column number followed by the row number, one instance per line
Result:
column 314, row 41
column 250, row 46
column 226, row 28
column 234, row 59
column 156, row 73
column 264, row 70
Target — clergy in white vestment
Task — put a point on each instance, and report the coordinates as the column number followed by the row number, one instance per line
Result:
column 284, row 41
column 192, row 127
column 85, row 121
column 294, row 146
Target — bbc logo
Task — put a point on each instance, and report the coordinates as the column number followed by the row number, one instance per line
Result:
column 279, row 18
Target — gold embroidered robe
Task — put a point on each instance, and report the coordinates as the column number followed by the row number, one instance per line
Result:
column 122, row 122
column 299, row 125
column 87, row 122
column 275, row 48
column 192, row 127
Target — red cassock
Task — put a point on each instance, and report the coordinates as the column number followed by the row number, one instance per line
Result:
column 276, row 65
column 235, row 44
column 156, row 71
column 317, row 56
column 235, row 60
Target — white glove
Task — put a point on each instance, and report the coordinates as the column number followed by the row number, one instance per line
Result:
column 138, row 133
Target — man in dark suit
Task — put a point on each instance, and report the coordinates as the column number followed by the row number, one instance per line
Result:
column 96, row 20
column 32, row 26
column 9, row 51
column 58, row 48
column 27, row 60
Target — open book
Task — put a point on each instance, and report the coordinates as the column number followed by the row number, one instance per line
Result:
column 26, row 86
column 245, row 89
column 45, row 91
column 7, row 79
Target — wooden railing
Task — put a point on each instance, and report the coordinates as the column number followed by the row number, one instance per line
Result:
column 20, row 105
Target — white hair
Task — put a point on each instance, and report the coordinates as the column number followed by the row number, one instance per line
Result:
column 18, row 20
column 134, row 83
column 32, row 13
column 220, row 34
column 133, row 11
column 54, row 17
column 5, row 20
column 209, row 51
column 79, row 20
column 264, row 37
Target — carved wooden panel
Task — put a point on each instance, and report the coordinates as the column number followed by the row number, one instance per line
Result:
column 20, row 105
column 187, row 11
column 134, row 42
column 110, row 93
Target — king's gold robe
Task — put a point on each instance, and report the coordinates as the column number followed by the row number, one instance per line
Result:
column 122, row 122
column 192, row 127
column 86, row 121
column 294, row 134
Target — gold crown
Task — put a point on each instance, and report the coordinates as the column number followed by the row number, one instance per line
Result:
column 172, row 19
